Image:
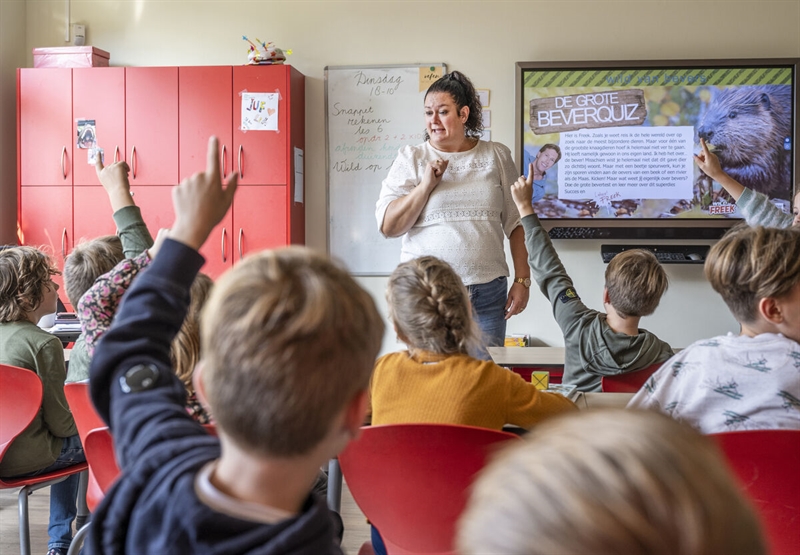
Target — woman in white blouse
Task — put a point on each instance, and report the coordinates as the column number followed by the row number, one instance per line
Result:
column 450, row 197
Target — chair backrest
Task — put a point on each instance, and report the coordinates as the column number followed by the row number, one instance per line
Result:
column 102, row 459
column 412, row 480
column 767, row 463
column 20, row 401
column 629, row 382
column 83, row 411
column 99, row 449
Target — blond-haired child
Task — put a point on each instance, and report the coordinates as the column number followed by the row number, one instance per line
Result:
column 436, row 380
column 609, row 482
column 289, row 341
column 749, row 380
column 596, row 343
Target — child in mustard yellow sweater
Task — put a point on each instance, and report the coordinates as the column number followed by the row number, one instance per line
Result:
column 436, row 380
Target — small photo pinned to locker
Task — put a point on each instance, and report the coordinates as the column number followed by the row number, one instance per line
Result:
column 86, row 133
column 92, row 155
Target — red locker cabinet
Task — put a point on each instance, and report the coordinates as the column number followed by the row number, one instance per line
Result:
column 264, row 213
column 46, row 222
column 44, row 108
column 151, row 124
column 158, row 120
column 206, row 108
column 98, row 94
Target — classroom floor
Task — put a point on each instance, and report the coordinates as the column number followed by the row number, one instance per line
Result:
column 356, row 530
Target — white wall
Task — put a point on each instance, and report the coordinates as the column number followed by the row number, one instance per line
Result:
column 482, row 39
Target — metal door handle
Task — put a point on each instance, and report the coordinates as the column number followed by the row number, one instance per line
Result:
column 222, row 247
column 133, row 161
column 224, row 160
column 64, row 243
column 63, row 156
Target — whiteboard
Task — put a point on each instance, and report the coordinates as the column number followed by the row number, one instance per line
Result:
column 370, row 112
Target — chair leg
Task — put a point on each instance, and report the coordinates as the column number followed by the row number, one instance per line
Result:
column 334, row 485
column 77, row 541
column 83, row 509
column 24, row 530
column 24, row 524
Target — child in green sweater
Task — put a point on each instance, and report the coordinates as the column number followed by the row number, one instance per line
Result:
column 50, row 442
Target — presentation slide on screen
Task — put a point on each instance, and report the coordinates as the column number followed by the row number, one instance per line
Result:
column 621, row 144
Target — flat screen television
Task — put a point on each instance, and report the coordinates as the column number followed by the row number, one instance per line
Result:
column 623, row 134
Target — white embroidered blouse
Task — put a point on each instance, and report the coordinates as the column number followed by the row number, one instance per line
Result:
column 468, row 212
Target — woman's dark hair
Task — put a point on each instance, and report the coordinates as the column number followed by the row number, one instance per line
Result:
column 460, row 88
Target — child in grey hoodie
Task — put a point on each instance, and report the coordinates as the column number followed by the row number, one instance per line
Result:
column 596, row 343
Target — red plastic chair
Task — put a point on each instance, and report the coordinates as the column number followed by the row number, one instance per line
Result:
column 103, row 471
column 767, row 463
column 100, row 455
column 629, row 382
column 86, row 420
column 83, row 411
column 412, row 480
column 20, row 401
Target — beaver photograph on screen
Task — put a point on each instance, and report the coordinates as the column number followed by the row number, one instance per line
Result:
column 749, row 129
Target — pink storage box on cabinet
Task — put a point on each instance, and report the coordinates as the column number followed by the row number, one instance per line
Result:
column 70, row 56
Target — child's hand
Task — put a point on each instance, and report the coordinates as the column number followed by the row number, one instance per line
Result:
column 522, row 193
column 708, row 162
column 114, row 179
column 163, row 233
column 201, row 202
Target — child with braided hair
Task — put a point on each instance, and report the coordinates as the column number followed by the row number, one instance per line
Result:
column 436, row 380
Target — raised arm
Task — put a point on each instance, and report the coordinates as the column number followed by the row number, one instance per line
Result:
column 132, row 382
column 546, row 267
column 755, row 207
column 709, row 163
column 133, row 232
column 114, row 179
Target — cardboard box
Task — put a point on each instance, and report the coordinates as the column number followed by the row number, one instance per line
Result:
column 516, row 340
column 70, row 56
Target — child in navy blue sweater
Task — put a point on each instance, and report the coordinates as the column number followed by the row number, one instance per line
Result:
column 289, row 344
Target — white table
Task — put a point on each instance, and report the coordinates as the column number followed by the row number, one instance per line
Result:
column 527, row 356
column 600, row 400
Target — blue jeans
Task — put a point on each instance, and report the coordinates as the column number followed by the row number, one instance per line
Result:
column 488, row 306
column 377, row 541
column 63, row 495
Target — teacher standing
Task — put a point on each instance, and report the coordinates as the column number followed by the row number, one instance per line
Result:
column 450, row 197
